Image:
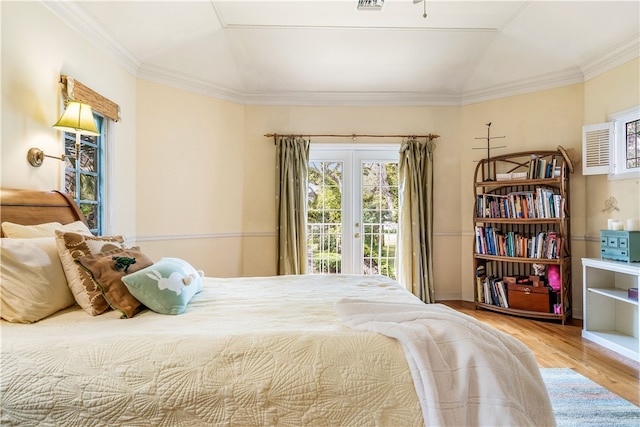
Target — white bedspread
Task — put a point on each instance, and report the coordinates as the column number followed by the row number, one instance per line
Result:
column 247, row 352
column 465, row 373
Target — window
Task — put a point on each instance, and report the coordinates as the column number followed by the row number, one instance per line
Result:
column 626, row 143
column 84, row 179
column 613, row 148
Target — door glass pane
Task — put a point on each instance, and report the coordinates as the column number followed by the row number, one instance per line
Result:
column 379, row 217
column 324, row 220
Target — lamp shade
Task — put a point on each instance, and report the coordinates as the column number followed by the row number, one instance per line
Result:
column 77, row 118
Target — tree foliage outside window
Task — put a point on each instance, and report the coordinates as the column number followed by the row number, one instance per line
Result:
column 83, row 175
column 379, row 222
column 324, row 217
column 380, row 217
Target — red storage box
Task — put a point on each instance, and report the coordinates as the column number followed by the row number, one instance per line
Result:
column 531, row 298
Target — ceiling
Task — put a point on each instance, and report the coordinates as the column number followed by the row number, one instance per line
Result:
column 315, row 52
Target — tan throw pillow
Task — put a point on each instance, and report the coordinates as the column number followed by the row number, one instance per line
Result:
column 32, row 281
column 107, row 269
column 75, row 245
column 41, row 230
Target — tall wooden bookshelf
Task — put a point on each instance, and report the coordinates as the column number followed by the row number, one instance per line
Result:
column 521, row 218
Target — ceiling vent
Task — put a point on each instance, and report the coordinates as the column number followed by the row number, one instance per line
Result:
column 370, row 4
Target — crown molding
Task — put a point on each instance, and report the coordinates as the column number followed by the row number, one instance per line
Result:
column 72, row 15
column 519, row 87
column 353, row 99
column 612, row 58
column 378, row 99
column 190, row 84
column 301, row 98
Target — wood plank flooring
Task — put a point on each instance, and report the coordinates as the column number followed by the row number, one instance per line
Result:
column 562, row 346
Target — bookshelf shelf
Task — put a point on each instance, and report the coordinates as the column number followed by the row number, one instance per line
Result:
column 521, row 259
column 519, row 220
column 522, row 235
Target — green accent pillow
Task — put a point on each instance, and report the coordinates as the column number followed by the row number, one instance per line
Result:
column 165, row 287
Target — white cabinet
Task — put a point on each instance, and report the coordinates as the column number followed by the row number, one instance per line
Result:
column 610, row 316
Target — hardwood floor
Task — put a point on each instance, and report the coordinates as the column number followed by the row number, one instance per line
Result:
column 562, row 346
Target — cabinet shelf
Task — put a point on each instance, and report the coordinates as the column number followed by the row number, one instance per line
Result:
column 624, row 344
column 610, row 316
column 522, row 217
column 615, row 293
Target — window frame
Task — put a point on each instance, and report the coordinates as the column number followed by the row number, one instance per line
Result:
column 351, row 155
column 619, row 168
column 102, row 124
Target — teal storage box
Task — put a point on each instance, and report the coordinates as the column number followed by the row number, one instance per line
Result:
column 620, row 245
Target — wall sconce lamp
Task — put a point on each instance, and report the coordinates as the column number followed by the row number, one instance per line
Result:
column 78, row 118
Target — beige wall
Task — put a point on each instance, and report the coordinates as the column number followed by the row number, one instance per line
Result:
column 190, row 178
column 36, row 48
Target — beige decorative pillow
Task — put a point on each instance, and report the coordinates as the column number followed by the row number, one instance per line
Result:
column 75, row 245
column 107, row 270
column 32, row 281
column 41, row 230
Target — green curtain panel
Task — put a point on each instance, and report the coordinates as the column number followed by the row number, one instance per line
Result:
column 292, row 170
column 415, row 240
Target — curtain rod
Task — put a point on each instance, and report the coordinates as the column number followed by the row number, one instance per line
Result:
column 354, row 136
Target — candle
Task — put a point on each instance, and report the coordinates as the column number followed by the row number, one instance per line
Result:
column 610, row 222
column 618, row 225
column 633, row 225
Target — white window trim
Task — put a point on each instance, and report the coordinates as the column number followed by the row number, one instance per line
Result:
column 618, row 167
column 108, row 174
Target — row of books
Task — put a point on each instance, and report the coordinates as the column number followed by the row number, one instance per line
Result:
column 545, row 244
column 540, row 168
column 541, row 203
column 492, row 290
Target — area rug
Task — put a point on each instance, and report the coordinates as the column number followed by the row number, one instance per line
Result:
column 578, row 401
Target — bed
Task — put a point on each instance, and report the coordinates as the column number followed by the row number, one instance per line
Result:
column 341, row 350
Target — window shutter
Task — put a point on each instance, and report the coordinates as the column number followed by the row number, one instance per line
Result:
column 597, row 141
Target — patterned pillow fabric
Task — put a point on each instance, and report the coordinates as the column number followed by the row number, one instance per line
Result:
column 32, row 281
column 46, row 229
column 74, row 245
column 107, row 270
column 167, row 286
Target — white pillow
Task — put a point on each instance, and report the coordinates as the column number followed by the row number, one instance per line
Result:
column 32, row 281
column 41, row 230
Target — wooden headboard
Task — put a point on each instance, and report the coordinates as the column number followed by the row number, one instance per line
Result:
column 29, row 207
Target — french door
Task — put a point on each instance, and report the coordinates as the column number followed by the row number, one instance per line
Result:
column 352, row 221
